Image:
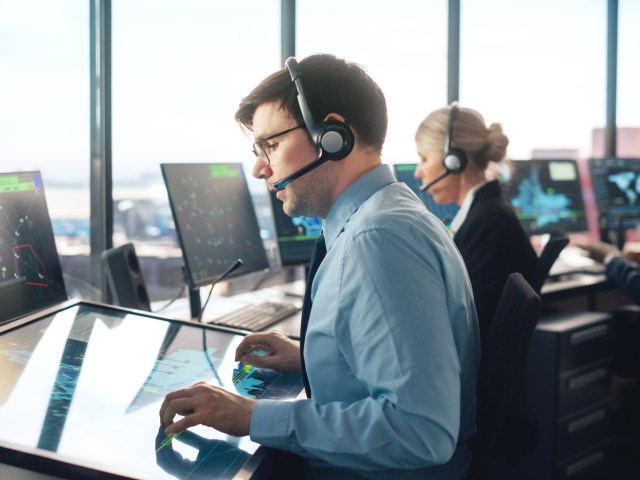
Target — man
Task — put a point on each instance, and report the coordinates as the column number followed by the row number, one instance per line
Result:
column 391, row 350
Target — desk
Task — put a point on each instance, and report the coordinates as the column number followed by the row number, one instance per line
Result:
column 570, row 287
column 9, row 472
column 574, row 285
column 566, row 288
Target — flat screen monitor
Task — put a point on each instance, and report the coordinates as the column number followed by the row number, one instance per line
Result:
column 547, row 196
column 296, row 236
column 616, row 186
column 405, row 173
column 30, row 272
column 215, row 219
column 81, row 389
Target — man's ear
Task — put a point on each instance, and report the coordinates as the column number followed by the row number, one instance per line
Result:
column 335, row 116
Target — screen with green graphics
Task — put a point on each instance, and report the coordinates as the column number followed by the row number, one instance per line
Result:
column 215, row 219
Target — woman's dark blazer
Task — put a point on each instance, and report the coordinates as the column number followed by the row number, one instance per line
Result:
column 493, row 245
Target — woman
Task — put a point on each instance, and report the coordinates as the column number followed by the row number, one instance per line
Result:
column 456, row 151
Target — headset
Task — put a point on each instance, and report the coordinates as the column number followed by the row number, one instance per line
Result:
column 454, row 159
column 333, row 139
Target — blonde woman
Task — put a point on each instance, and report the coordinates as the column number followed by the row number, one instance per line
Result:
column 456, row 152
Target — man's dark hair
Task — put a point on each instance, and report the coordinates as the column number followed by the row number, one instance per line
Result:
column 331, row 85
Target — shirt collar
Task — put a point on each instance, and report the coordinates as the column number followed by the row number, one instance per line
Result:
column 461, row 216
column 351, row 199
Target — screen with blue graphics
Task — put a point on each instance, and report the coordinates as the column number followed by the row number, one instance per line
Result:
column 616, row 185
column 405, row 173
column 547, row 196
column 296, row 235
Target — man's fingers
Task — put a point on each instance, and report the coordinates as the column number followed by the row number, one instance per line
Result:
column 180, row 406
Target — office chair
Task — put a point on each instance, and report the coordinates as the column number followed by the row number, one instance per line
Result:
column 549, row 255
column 502, row 368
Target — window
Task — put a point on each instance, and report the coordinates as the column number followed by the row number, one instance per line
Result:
column 628, row 108
column 180, row 70
column 401, row 45
column 44, row 117
column 538, row 68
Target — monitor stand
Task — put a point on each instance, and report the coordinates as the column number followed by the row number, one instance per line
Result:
column 616, row 234
column 195, row 303
column 296, row 277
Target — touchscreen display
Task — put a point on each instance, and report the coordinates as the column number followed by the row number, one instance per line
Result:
column 84, row 386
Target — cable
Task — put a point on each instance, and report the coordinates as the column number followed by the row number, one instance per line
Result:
column 238, row 263
column 170, row 302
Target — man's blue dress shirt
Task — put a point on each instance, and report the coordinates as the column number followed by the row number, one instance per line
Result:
column 392, row 346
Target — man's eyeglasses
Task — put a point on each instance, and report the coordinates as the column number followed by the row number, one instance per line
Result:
column 261, row 148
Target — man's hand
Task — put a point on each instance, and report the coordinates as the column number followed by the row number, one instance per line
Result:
column 204, row 404
column 270, row 350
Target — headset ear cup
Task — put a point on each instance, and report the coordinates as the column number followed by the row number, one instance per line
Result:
column 455, row 161
column 335, row 139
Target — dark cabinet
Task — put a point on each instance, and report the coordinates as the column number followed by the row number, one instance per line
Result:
column 569, row 387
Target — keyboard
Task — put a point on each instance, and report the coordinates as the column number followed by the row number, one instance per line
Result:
column 257, row 316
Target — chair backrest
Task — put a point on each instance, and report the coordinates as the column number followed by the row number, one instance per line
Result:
column 503, row 365
column 547, row 258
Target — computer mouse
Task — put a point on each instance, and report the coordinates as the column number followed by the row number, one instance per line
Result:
column 259, row 351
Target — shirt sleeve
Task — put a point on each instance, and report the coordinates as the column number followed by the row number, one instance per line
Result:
column 626, row 276
column 394, row 326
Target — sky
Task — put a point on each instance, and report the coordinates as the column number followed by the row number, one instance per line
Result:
column 180, row 68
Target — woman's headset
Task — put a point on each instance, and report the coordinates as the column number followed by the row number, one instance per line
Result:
column 455, row 160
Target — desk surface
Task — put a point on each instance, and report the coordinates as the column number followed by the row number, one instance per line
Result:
column 553, row 289
column 576, row 284
column 220, row 305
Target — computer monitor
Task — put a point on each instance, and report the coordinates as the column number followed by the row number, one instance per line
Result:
column 616, row 186
column 82, row 385
column 547, row 196
column 215, row 219
column 405, row 173
column 30, row 271
column 296, row 236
